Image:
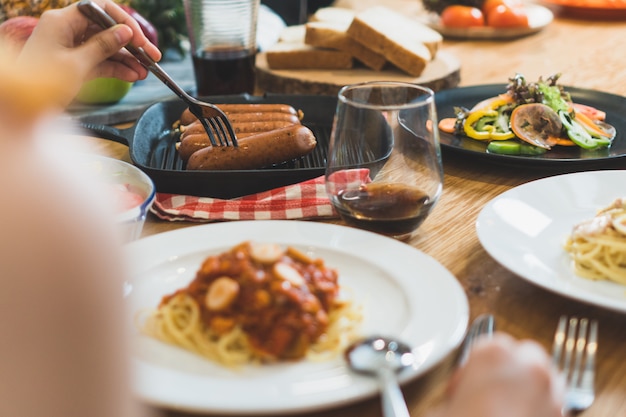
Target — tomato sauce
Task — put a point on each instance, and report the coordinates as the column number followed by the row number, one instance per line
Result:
column 282, row 312
column 124, row 198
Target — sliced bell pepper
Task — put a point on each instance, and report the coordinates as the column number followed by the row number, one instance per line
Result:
column 480, row 125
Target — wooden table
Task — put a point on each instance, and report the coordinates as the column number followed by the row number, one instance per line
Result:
column 588, row 54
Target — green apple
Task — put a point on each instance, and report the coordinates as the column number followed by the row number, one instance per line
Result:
column 103, row 91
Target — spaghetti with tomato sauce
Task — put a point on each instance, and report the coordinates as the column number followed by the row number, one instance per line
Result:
column 258, row 303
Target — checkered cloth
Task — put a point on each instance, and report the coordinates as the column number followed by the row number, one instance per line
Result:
column 305, row 200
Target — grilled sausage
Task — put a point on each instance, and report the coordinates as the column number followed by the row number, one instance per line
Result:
column 231, row 109
column 256, row 107
column 196, row 137
column 240, row 128
column 262, row 116
column 257, row 151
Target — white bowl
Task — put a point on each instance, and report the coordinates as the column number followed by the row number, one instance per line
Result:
column 133, row 189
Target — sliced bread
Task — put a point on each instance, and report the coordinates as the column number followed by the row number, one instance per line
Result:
column 334, row 35
column 405, row 42
column 297, row 55
column 333, row 14
column 293, row 33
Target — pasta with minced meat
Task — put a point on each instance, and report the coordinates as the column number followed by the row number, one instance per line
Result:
column 258, row 303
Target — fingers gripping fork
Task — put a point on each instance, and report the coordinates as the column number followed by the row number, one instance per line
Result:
column 214, row 121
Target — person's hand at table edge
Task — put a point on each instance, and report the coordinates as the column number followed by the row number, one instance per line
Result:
column 504, row 377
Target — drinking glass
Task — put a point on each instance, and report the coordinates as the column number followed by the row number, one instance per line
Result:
column 222, row 34
column 384, row 170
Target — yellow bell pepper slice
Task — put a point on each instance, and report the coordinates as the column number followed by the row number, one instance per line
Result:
column 489, row 132
column 502, row 135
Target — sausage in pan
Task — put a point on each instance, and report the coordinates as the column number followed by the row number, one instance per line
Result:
column 257, row 151
column 257, row 107
column 196, row 138
column 240, row 128
column 231, row 109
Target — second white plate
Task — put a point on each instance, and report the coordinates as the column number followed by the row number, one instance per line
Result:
column 524, row 229
column 403, row 293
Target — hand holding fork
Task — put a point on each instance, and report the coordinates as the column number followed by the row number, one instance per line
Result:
column 502, row 376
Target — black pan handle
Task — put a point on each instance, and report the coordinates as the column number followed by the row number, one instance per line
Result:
column 123, row 136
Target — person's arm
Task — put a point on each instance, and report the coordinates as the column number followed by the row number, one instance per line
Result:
column 505, row 377
column 63, row 323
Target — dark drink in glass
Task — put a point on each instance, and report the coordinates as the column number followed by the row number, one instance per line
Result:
column 386, row 208
column 224, row 72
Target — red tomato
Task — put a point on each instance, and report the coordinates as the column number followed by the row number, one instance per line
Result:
column 458, row 16
column 503, row 16
column 489, row 5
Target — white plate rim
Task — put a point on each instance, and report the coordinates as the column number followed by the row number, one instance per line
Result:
column 538, row 18
column 399, row 259
column 541, row 259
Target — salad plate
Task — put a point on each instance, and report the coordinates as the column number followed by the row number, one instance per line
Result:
column 402, row 293
column 612, row 105
column 525, row 228
column 538, row 18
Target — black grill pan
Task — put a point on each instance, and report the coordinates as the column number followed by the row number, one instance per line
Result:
column 151, row 142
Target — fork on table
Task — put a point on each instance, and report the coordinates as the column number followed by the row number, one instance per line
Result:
column 214, row 120
column 574, row 353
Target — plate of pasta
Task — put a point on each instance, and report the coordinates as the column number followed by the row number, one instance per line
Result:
column 394, row 289
column 565, row 233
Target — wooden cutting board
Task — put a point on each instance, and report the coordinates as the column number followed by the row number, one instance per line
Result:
column 443, row 72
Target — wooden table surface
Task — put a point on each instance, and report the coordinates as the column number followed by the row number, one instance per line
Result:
column 589, row 54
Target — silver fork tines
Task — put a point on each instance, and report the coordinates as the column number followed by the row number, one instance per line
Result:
column 574, row 352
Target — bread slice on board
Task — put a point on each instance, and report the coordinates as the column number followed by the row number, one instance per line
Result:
column 334, row 35
column 333, row 15
column 297, row 55
column 294, row 33
column 405, row 42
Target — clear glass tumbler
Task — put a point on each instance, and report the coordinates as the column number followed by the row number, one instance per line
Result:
column 222, row 34
column 384, row 170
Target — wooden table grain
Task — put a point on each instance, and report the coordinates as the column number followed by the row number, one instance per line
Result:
column 589, row 54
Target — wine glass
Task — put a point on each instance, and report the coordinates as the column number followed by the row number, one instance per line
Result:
column 384, row 170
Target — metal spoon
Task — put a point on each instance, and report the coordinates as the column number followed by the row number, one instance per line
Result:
column 384, row 358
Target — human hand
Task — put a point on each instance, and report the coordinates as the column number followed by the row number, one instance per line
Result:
column 67, row 49
column 95, row 52
column 505, row 377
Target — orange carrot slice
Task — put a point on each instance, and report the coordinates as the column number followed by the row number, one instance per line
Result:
column 447, row 125
column 588, row 123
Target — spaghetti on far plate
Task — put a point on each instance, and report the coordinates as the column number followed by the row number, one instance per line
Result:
column 597, row 246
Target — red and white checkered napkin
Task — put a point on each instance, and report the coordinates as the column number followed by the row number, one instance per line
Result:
column 305, row 200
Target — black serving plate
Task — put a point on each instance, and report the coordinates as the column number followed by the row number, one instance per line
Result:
column 559, row 156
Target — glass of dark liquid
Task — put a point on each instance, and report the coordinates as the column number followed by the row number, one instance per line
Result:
column 384, row 170
column 222, row 34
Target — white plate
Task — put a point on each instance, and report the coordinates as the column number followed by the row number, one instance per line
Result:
column 525, row 228
column 538, row 18
column 403, row 292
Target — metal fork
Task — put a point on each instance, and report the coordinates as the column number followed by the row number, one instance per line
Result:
column 482, row 325
column 574, row 353
column 215, row 121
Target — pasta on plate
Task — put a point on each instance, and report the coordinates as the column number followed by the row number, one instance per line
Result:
column 257, row 303
column 597, row 246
